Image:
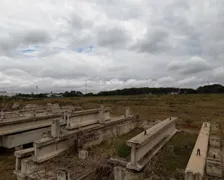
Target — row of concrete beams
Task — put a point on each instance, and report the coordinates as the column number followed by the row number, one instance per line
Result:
column 32, row 160
column 21, row 131
column 60, row 141
column 195, row 169
column 145, row 145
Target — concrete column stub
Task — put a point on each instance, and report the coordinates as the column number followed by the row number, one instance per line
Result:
column 127, row 112
column 119, row 173
column 2, row 114
column 55, row 128
column 101, row 114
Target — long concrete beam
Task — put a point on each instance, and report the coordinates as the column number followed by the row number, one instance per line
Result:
column 23, row 130
column 195, row 169
column 145, row 145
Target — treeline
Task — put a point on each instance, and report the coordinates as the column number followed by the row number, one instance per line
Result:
column 215, row 89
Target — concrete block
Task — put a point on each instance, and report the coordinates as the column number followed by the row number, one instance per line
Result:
column 63, row 174
column 28, row 166
column 214, row 168
column 214, row 153
column 83, row 154
column 215, row 141
column 47, row 148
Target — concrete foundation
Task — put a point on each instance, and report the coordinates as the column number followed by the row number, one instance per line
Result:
column 93, row 134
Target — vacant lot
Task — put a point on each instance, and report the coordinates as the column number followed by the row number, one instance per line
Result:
column 191, row 110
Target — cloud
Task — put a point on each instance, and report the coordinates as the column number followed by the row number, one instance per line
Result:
column 191, row 66
column 138, row 43
column 11, row 41
column 114, row 37
column 154, row 41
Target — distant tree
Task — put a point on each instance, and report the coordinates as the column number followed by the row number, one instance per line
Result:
column 215, row 88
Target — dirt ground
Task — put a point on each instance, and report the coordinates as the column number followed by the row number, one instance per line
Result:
column 191, row 110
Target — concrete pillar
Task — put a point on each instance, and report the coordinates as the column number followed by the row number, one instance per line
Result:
column 55, row 128
column 18, row 164
column 119, row 173
column 63, row 174
column 133, row 155
column 101, row 115
column 127, row 112
column 2, row 114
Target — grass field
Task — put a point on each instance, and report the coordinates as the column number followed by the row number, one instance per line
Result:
column 191, row 110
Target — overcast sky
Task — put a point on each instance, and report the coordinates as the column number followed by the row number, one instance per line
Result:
column 108, row 44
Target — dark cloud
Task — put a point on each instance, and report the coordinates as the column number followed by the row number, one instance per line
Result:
column 155, row 41
column 34, row 37
column 190, row 66
column 79, row 23
column 11, row 41
column 114, row 37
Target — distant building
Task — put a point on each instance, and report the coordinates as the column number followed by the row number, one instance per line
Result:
column 54, row 95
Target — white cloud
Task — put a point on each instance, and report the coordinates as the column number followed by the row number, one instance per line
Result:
column 61, row 45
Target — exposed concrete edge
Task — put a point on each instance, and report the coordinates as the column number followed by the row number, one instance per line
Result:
column 89, row 111
column 24, row 152
column 28, row 119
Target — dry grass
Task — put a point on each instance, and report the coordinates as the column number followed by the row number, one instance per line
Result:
column 191, row 110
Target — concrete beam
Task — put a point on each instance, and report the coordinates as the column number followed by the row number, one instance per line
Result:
column 47, row 148
column 23, row 130
column 15, row 140
column 195, row 169
column 88, row 118
column 145, row 145
column 21, row 154
column 25, row 124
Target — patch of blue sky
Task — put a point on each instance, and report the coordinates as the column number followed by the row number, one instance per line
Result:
column 28, row 50
column 85, row 49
